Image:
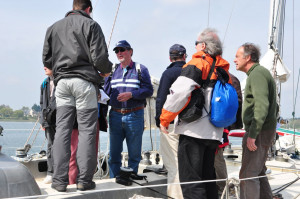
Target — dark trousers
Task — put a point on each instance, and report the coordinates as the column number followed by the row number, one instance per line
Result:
column 196, row 163
column 49, row 133
column 253, row 165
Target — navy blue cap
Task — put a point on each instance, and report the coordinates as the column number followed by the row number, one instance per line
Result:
column 122, row 44
column 177, row 49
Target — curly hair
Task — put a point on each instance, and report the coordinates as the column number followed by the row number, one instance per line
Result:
column 213, row 44
column 252, row 50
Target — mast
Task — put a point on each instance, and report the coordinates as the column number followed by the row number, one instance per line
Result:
column 272, row 60
column 276, row 26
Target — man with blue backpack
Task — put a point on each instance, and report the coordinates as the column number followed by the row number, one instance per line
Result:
column 199, row 138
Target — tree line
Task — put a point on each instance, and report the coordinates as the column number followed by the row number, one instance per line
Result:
column 25, row 113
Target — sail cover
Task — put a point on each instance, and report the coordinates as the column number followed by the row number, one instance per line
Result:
column 275, row 65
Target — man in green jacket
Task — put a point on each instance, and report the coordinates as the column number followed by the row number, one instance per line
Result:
column 259, row 117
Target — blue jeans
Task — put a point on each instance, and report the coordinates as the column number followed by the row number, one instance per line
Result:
column 128, row 126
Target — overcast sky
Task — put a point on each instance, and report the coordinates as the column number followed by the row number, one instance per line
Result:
column 150, row 26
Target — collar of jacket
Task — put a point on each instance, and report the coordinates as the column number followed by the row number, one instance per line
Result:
column 176, row 64
column 78, row 12
column 252, row 68
column 203, row 55
column 220, row 62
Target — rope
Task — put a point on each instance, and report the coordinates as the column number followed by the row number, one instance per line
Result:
column 36, row 136
column 297, row 196
column 233, row 180
column 294, row 138
column 31, row 132
column 112, row 30
column 229, row 183
column 153, row 190
column 286, row 185
column 43, row 144
column 229, row 21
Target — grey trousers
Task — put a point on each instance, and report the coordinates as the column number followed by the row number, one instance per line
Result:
column 220, row 169
column 75, row 96
column 253, row 165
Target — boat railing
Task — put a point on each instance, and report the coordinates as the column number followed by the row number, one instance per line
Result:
column 231, row 184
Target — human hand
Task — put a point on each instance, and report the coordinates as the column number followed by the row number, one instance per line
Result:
column 104, row 74
column 251, row 144
column 123, row 97
column 164, row 129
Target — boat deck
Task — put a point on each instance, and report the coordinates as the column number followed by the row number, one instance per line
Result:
column 280, row 174
column 108, row 188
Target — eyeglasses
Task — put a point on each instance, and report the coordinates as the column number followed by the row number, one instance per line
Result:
column 120, row 50
column 198, row 42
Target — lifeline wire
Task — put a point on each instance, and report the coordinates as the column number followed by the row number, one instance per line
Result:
column 148, row 186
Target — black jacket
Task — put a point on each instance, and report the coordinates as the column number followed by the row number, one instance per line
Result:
column 75, row 47
column 236, row 84
column 168, row 77
column 45, row 101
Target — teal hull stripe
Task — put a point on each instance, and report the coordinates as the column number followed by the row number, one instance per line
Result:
column 288, row 131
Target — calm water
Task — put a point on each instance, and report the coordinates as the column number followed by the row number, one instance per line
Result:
column 15, row 135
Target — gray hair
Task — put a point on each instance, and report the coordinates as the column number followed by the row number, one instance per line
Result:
column 252, row 50
column 213, row 44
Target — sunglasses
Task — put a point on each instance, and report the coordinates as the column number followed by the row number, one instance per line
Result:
column 198, row 42
column 120, row 50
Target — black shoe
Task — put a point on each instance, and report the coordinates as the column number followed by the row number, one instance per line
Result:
column 60, row 188
column 83, row 187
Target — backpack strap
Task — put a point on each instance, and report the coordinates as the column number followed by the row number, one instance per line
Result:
column 114, row 68
column 207, row 80
column 138, row 70
column 205, row 84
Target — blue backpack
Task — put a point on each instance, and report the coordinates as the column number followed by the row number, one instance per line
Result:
column 224, row 104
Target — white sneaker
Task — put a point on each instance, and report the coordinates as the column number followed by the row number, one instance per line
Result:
column 48, row 179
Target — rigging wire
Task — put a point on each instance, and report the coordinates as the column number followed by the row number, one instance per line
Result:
column 229, row 21
column 273, row 29
column 112, row 30
column 294, row 102
column 282, row 32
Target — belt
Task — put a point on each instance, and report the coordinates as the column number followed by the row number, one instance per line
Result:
column 127, row 110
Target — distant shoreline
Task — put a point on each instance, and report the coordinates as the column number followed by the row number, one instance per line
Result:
column 18, row 120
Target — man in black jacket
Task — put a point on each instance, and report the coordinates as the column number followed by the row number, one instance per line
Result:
column 169, row 142
column 47, row 119
column 76, row 51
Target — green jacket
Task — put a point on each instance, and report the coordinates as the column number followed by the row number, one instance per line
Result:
column 260, row 107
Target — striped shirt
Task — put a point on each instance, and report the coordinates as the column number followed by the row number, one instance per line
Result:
column 128, row 81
